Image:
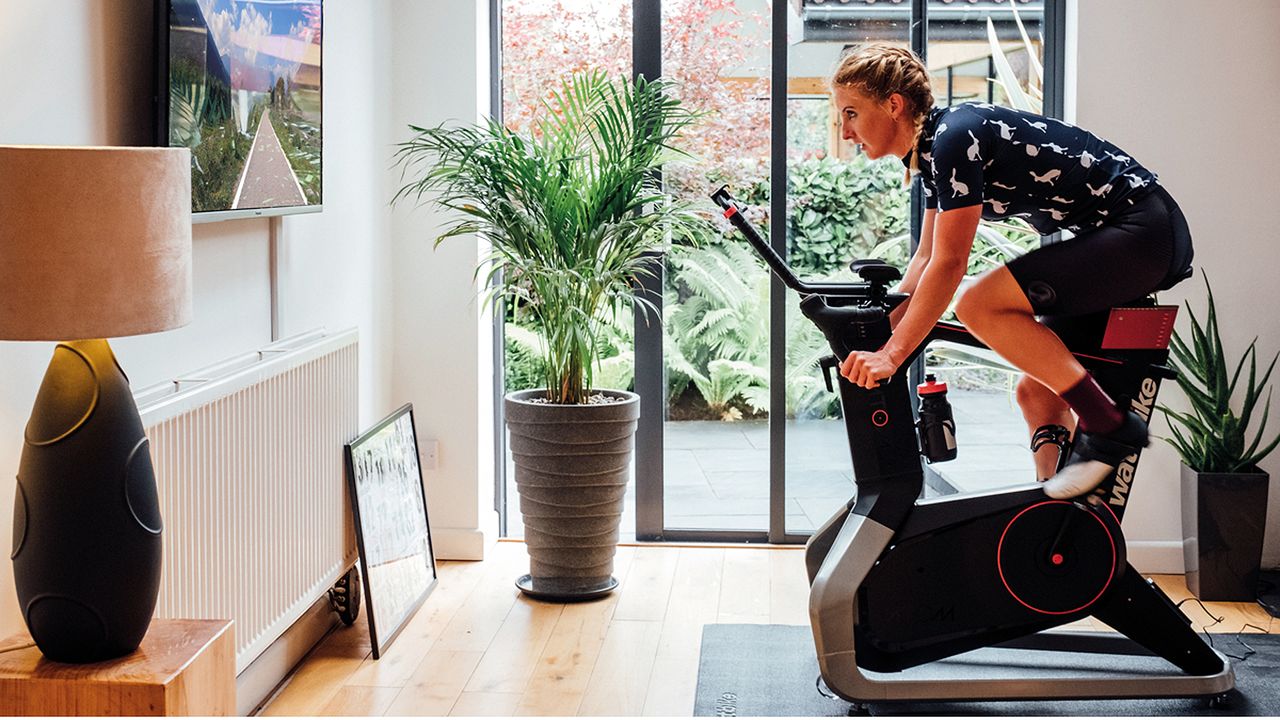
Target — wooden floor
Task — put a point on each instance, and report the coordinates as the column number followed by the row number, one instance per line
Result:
column 477, row 647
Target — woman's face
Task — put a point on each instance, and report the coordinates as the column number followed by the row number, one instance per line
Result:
column 874, row 125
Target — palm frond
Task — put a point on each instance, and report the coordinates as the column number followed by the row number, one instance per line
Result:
column 569, row 215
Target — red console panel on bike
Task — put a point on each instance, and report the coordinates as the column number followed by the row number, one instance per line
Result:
column 1139, row 328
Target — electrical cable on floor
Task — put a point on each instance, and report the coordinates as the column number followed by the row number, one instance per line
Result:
column 17, row 647
column 1239, row 636
column 1216, row 619
column 1247, row 646
column 1204, row 629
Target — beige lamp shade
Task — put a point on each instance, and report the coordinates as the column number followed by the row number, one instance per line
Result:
column 94, row 242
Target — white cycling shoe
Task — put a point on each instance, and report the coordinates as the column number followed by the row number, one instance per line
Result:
column 1094, row 457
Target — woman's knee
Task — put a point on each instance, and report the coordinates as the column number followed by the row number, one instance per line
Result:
column 992, row 294
column 971, row 303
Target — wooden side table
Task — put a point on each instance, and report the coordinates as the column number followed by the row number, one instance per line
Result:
column 183, row 667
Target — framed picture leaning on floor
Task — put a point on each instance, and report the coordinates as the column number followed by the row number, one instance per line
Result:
column 390, row 513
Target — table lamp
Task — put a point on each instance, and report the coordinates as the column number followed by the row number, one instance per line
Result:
column 94, row 243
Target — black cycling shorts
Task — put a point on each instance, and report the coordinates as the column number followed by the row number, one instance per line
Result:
column 1073, row 284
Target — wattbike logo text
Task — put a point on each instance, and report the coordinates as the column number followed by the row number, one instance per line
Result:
column 1142, row 405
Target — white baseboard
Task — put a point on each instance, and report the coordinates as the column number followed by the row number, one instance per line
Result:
column 459, row 543
column 256, row 683
column 1156, row 557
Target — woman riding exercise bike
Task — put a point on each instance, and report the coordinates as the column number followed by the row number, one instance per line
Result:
column 974, row 161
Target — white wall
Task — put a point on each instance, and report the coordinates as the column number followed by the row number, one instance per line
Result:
column 443, row 352
column 79, row 72
column 1187, row 89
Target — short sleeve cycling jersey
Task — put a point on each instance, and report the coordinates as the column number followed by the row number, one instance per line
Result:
column 1050, row 173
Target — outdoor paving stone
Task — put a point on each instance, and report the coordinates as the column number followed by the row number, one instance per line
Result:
column 678, row 459
column 686, row 482
column 687, row 495
column 712, row 460
column 704, row 435
column 989, row 458
column 812, row 477
column 973, row 405
column 835, row 463
column 739, row 483
column 681, row 467
column 800, row 485
column 834, row 453
column 818, row 509
column 976, row 480
column 758, row 523
column 720, row 506
column 996, row 433
column 756, row 432
column 816, row 434
column 715, row 520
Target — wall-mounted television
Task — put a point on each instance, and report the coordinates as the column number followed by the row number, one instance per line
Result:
column 239, row 82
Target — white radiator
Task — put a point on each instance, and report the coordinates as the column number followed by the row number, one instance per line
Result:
column 249, row 465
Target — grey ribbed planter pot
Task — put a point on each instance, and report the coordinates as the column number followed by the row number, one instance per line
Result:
column 572, row 463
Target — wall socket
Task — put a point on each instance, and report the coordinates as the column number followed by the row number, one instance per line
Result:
column 429, row 452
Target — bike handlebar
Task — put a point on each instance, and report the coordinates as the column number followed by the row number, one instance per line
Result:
column 779, row 266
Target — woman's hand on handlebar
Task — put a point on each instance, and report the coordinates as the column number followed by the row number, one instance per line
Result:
column 867, row 369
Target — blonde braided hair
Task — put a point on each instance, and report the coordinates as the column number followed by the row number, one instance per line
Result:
column 879, row 70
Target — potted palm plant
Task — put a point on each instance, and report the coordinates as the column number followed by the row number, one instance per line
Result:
column 1224, row 493
column 570, row 213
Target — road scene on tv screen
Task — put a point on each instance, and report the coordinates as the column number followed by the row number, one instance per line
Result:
column 244, row 95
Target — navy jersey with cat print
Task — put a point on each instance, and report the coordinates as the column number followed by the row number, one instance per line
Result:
column 1050, row 173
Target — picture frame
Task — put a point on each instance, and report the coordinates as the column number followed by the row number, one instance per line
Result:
column 393, row 533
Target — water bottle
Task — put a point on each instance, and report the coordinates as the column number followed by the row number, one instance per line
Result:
column 935, row 425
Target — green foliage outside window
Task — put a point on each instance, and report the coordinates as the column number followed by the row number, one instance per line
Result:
column 716, row 309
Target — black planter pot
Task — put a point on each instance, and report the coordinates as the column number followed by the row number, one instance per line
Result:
column 1223, row 521
column 572, row 464
column 86, row 518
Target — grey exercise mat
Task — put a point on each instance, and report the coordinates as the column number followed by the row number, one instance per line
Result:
column 771, row 671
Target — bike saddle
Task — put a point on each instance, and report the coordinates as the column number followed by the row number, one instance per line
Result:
column 875, row 271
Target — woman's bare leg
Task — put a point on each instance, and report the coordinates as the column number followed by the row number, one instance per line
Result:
column 997, row 312
column 1041, row 407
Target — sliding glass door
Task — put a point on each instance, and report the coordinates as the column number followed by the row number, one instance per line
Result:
column 739, row 439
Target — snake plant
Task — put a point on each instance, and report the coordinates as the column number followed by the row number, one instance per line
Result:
column 1212, row 437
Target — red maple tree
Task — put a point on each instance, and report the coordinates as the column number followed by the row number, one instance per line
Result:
column 705, row 46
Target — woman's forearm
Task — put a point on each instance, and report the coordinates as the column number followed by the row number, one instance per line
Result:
column 910, row 279
column 915, row 268
column 949, row 239
column 937, row 285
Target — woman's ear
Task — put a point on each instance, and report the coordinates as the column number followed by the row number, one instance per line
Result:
column 897, row 105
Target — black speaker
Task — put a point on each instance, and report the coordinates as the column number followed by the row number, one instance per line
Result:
column 86, row 519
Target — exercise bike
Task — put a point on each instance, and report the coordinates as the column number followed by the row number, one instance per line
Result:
column 897, row 582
